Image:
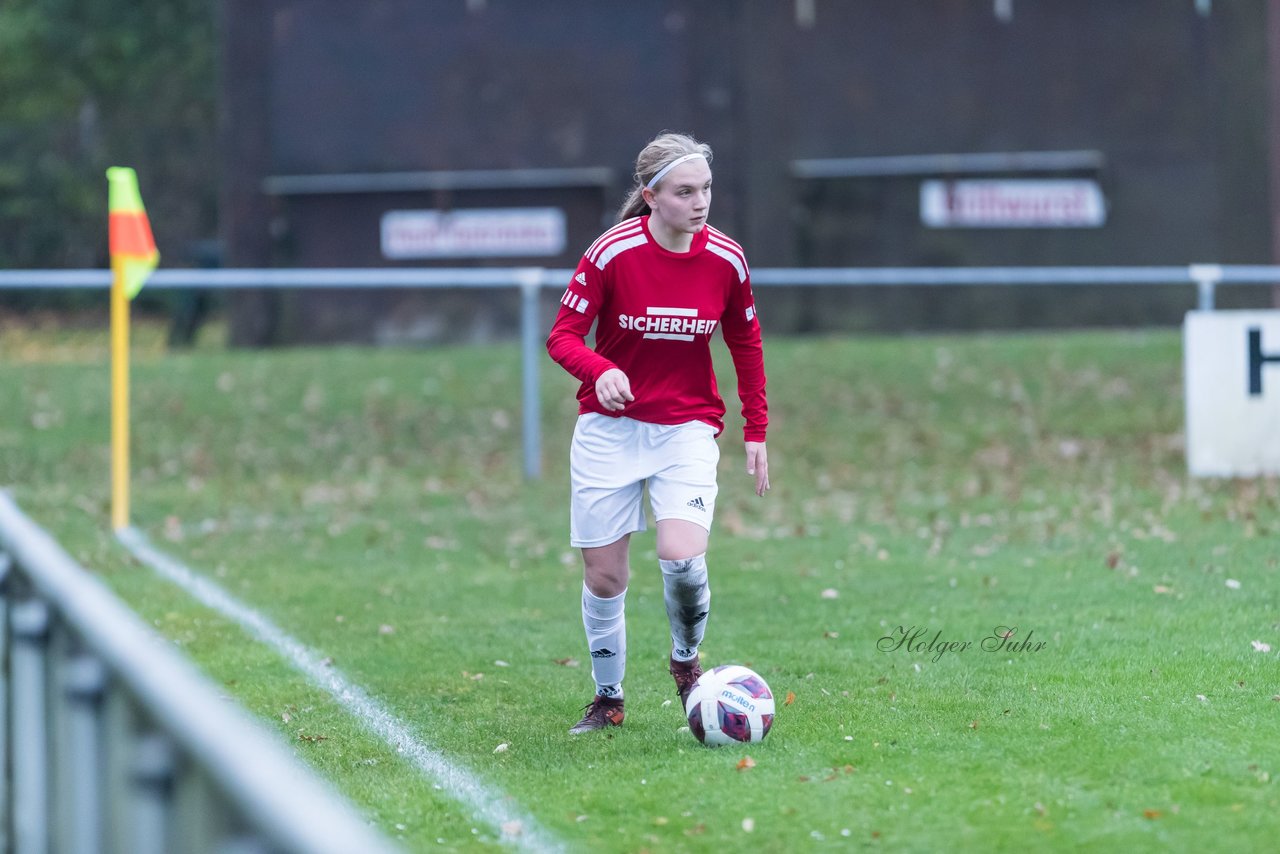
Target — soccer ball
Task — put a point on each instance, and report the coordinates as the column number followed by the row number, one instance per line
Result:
column 730, row 704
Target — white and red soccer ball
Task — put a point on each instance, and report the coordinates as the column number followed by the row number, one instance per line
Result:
column 730, row 704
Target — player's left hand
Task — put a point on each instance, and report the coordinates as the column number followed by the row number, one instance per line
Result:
column 758, row 465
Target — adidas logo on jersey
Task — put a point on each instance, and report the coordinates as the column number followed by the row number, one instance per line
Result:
column 697, row 504
column 581, row 279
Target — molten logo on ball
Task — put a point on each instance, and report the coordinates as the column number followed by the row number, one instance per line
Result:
column 730, row 704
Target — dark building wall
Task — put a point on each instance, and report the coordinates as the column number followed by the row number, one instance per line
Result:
column 387, row 85
column 1175, row 103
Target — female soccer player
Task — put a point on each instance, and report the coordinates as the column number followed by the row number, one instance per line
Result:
column 659, row 283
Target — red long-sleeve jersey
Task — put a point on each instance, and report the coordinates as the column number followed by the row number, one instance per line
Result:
column 657, row 311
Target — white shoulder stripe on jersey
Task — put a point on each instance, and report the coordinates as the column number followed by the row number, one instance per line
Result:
column 631, row 226
column 594, row 256
column 621, row 226
column 726, row 243
column 738, row 264
column 618, row 247
column 712, row 231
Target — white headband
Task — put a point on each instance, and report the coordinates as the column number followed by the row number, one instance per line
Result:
column 662, row 173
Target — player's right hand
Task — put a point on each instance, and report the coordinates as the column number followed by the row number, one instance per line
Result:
column 613, row 390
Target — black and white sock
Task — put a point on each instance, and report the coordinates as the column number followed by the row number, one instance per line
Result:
column 688, row 598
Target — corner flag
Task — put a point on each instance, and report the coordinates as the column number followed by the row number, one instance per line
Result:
column 133, row 248
column 133, row 257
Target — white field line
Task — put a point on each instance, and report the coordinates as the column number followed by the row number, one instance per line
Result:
column 490, row 806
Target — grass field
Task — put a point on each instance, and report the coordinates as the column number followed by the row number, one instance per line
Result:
column 370, row 502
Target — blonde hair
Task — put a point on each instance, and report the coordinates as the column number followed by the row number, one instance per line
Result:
column 665, row 147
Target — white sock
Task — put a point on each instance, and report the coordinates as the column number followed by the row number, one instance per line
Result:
column 606, row 625
column 688, row 598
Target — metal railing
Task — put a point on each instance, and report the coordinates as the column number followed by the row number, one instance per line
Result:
column 531, row 280
column 110, row 741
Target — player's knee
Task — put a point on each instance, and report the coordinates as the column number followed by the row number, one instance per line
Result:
column 680, row 540
column 605, row 579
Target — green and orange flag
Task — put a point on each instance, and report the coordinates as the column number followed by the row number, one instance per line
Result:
column 133, row 249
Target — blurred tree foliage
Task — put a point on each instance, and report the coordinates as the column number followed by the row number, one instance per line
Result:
column 87, row 84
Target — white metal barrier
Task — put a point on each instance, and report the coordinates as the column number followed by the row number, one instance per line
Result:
column 112, row 743
column 530, row 280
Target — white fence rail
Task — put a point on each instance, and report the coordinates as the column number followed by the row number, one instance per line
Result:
column 531, row 280
column 112, row 743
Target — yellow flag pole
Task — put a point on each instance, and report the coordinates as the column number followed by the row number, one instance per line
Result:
column 119, row 400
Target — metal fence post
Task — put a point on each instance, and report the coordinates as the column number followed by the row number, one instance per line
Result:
column 84, row 683
column 530, row 279
column 153, row 777
column 28, row 660
column 1206, row 277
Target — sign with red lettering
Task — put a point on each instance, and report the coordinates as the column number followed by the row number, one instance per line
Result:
column 1012, row 203
column 474, row 233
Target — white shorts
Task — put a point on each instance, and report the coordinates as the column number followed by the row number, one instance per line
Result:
column 611, row 460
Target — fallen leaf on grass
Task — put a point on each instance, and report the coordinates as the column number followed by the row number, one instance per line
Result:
column 311, row 739
column 973, row 724
column 791, row 698
column 1160, row 588
column 746, row 762
column 1152, row 814
column 566, row 662
column 173, row 529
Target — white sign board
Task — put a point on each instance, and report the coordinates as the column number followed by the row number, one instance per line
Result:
column 1012, row 203
column 1231, row 364
column 476, row 233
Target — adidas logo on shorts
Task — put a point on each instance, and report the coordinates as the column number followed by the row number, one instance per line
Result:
column 697, row 504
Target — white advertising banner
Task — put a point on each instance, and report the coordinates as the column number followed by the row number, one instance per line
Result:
column 1012, row 203
column 476, row 233
column 1231, row 365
